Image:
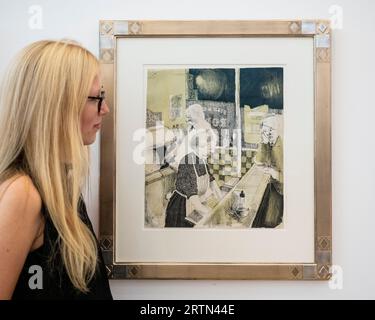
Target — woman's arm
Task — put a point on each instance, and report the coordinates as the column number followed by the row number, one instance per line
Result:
column 20, row 220
column 198, row 206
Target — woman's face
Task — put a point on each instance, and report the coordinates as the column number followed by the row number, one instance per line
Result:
column 199, row 141
column 90, row 119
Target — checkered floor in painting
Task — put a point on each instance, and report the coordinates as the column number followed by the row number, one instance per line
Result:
column 225, row 164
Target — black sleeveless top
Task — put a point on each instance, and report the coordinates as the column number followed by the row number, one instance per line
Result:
column 55, row 281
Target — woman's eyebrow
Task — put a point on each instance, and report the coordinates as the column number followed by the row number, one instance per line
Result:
column 101, row 88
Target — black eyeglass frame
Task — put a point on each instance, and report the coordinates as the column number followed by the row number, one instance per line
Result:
column 101, row 97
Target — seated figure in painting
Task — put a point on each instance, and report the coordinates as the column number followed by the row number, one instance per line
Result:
column 194, row 183
column 270, row 158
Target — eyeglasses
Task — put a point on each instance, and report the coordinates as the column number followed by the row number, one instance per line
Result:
column 101, row 97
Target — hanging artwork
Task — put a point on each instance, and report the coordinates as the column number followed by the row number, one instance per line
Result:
column 216, row 155
column 211, row 184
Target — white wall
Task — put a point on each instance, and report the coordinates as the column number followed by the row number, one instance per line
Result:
column 352, row 135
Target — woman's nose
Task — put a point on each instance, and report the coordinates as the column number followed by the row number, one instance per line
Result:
column 104, row 109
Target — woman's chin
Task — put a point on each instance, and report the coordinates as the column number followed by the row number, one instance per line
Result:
column 89, row 140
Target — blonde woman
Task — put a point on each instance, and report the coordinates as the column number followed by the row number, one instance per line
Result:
column 51, row 108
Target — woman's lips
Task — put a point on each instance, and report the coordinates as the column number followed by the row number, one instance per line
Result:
column 97, row 126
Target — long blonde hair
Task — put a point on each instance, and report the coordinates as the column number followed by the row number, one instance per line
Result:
column 42, row 98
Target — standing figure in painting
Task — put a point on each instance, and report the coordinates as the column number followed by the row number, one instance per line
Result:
column 194, row 183
column 270, row 158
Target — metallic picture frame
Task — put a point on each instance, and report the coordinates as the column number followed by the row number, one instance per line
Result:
column 319, row 30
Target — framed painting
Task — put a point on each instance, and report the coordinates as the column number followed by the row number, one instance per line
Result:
column 216, row 156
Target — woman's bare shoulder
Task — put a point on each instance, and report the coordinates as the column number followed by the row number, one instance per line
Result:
column 20, row 220
column 19, row 194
